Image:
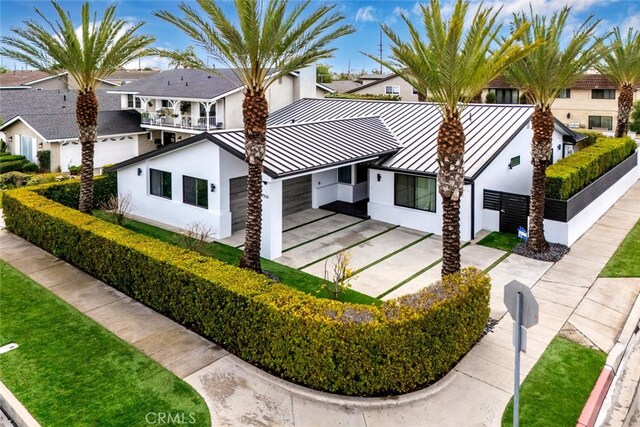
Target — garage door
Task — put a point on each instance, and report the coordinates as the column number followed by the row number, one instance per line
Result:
column 238, row 203
column 296, row 196
column 106, row 152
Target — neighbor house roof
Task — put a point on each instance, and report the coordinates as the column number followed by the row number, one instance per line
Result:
column 27, row 102
column 124, row 76
column 19, row 78
column 184, row 83
column 488, row 128
column 375, row 82
column 342, row 86
column 301, row 147
column 587, row 81
column 58, row 126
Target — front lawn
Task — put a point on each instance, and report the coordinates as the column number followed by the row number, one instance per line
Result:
column 289, row 276
column 69, row 371
column 557, row 388
column 625, row 262
column 502, row 241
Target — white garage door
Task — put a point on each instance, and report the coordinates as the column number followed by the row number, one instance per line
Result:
column 106, row 152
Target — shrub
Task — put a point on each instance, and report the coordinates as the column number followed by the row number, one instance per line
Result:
column 195, row 235
column 74, row 170
column 44, row 160
column 30, row 167
column 13, row 179
column 324, row 344
column 11, row 158
column 573, row 173
column 634, row 118
column 118, row 207
column 368, row 96
column 592, row 137
column 15, row 165
column 4, row 148
column 491, row 98
column 68, row 193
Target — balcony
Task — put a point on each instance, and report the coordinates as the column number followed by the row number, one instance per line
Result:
column 181, row 122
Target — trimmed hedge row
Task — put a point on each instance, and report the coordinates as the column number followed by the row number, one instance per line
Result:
column 68, row 193
column 573, row 173
column 324, row 344
column 11, row 158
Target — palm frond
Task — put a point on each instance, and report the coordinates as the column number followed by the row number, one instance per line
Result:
column 621, row 64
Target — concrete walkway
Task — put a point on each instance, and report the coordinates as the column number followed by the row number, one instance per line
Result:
column 474, row 393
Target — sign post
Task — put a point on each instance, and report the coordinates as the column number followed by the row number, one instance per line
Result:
column 523, row 307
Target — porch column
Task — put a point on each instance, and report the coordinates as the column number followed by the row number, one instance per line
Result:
column 207, row 107
column 271, row 244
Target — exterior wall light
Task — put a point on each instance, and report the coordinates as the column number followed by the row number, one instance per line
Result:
column 213, row 187
column 379, row 177
column 139, row 171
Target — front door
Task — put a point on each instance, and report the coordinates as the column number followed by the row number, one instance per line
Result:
column 168, row 138
column 514, row 212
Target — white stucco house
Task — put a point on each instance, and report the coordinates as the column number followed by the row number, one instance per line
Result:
column 319, row 151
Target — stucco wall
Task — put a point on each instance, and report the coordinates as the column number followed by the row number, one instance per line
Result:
column 106, row 152
column 406, row 90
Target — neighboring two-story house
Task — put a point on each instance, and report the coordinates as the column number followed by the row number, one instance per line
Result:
column 390, row 84
column 179, row 103
column 590, row 103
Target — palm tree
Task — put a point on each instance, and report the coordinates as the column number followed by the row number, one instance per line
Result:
column 97, row 49
column 541, row 76
column 452, row 67
column 268, row 43
column 621, row 64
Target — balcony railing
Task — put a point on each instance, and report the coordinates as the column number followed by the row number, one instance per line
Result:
column 181, row 122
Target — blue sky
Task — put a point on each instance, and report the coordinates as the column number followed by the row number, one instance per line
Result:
column 365, row 15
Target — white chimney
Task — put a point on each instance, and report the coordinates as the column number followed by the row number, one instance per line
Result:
column 306, row 83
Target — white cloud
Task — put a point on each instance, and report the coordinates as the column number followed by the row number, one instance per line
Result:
column 149, row 61
column 400, row 11
column 631, row 21
column 365, row 14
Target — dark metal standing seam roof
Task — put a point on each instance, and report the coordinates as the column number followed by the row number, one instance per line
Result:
column 293, row 148
column 488, row 127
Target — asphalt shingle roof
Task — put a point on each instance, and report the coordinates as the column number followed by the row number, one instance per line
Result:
column 52, row 113
column 488, row 128
column 184, row 83
column 21, row 77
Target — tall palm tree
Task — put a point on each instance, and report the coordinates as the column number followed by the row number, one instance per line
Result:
column 541, row 76
column 267, row 43
column 621, row 64
column 97, row 49
column 452, row 66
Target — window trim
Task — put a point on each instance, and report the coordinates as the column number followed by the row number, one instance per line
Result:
column 395, row 193
column 195, row 181
column 603, row 91
column 600, row 127
column 392, row 88
column 170, row 196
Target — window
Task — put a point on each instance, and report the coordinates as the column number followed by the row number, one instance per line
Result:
column 417, row 192
column 392, row 90
column 506, row 96
column 194, row 191
column 565, row 93
column 414, row 91
column 602, row 122
column 515, row 161
column 160, row 183
column 131, row 101
column 362, row 172
column 603, row 94
column 344, row 174
column 165, row 103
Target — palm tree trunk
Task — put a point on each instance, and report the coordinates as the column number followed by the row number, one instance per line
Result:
column 625, row 102
column 542, row 125
column 87, row 118
column 450, row 185
column 255, row 110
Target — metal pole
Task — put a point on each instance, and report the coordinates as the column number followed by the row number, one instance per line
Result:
column 518, row 346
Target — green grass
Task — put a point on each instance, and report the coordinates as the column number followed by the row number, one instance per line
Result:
column 69, row 371
column 625, row 262
column 502, row 241
column 289, row 276
column 558, row 386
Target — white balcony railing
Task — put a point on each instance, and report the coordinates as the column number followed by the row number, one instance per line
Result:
column 181, row 122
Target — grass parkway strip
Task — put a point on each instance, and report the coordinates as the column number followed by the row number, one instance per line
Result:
column 69, row 371
column 416, row 274
column 350, row 246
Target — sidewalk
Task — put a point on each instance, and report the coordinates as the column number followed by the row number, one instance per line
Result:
column 474, row 393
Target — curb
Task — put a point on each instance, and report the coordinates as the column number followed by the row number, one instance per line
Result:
column 347, row 401
column 14, row 409
column 592, row 408
column 600, row 394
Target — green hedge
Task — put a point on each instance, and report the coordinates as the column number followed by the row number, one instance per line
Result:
column 11, row 158
column 320, row 343
column 68, row 193
column 573, row 173
column 14, row 165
